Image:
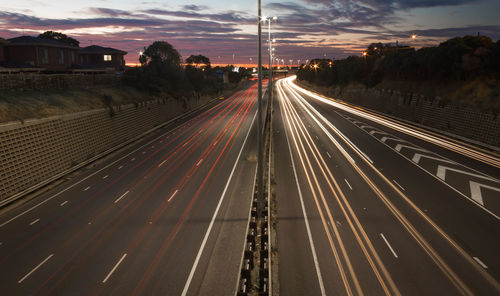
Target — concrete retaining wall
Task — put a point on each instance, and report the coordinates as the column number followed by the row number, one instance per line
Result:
column 37, row 150
column 430, row 112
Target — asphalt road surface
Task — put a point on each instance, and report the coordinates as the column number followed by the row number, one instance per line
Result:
column 370, row 206
column 165, row 216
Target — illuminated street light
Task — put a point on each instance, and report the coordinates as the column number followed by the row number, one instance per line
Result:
column 414, row 36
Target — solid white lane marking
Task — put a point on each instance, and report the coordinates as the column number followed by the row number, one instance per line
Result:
column 306, row 220
column 119, row 198
column 199, row 162
column 162, row 163
column 207, row 233
column 63, row 203
column 114, row 268
column 34, row 269
column 387, row 243
column 34, row 221
column 120, row 167
column 328, row 154
column 105, row 177
column 480, row 262
column 175, row 192
column 88, row 187
column 395, row 182
column 347, row 182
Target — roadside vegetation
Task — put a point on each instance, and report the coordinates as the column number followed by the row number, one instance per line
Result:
column 162, row 74
column 464, row 71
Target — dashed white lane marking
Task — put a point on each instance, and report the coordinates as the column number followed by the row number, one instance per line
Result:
column 118, row 199
column 63, row 203
column 132, row 159
column 216, row 142
column 175, row 192
column 34, row 269
column 34, row 221
column 143, row 152
column 387, row 243
column 328, row 154
column 105, row 177
column 88, row 187
column 480, row 262
column 199, row 162
column 317, row 138
column 395, row 182
column 162, row 163
column 114, row 268
column 120, row 167
column 347, row 182
column 185, row 144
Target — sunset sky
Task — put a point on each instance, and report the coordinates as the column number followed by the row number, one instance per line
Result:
column 225, row 30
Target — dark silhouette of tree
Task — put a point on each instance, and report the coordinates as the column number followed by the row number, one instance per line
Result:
column 197, row 61
column 160, row 52
column 59, row 37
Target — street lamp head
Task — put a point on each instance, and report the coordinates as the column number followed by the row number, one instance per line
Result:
column 275, row 18
column 364, row 53
column 414, row 36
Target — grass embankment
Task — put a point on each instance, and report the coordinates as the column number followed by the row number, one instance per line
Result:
column 482, row 95
column 22, row 105
column 36, row 104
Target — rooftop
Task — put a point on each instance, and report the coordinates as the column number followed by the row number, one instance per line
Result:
column 101, row 50
column 29, row 40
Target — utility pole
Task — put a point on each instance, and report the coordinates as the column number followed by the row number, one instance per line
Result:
column 260, row 161
column 270, row 85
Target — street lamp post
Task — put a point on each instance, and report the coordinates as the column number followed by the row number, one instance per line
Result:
column 260, row 162
column 270, row 71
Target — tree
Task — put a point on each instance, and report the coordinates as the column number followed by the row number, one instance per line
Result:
column 198, row 60
column 160, row 52
column 59, row 37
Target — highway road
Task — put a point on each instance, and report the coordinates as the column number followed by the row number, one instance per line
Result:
column 367, row 205
column 165, row 216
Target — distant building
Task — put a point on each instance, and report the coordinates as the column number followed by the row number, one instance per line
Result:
column 49, row 55
column 98, row 57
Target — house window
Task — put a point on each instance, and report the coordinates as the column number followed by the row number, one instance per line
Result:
column 107, row 57
column 45, row 56
column 61, row 57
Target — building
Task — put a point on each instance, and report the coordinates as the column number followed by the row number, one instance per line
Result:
column 98, row 57
column 49, row 55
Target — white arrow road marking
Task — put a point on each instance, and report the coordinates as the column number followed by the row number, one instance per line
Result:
column 392, row 138
column 441, row 173
column 400, row 146
column 416, row 158
column 366, row 126
column 377, row 132
column 475, row 191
